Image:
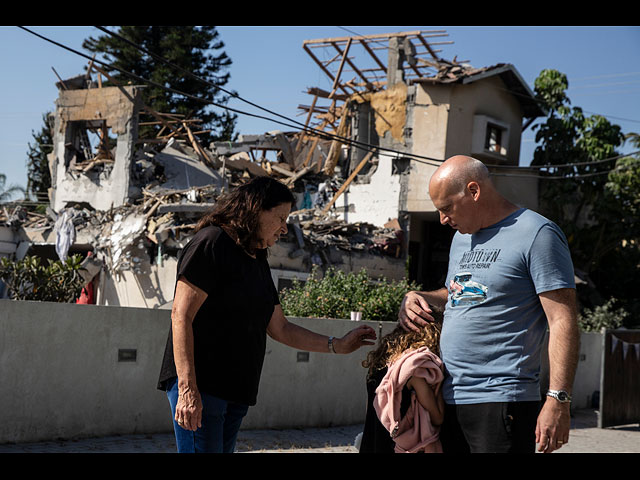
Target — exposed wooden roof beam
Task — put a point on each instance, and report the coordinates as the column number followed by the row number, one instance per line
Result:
column 336, row 80
column 322, row 66
column 426, row 44
column 439, row 33
column 324, row 94
column 355, row 69
column 382, row 66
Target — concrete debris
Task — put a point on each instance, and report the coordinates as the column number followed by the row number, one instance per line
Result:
column 361, row 236
column 451, row 71
column 134, row 202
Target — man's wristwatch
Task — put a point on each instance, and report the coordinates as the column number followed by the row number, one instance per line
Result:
column 560, row 395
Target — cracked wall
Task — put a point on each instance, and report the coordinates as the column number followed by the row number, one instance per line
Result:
column 102, row 183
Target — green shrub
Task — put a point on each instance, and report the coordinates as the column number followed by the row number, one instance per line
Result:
column 28, row 279
column 602, row 316
column 338, row 294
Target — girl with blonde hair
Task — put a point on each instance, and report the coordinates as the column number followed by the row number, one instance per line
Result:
column 405, row 405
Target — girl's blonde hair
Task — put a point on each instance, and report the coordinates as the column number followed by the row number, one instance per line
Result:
column 399, row 340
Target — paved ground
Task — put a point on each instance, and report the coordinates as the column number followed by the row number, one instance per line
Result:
column 585, row 437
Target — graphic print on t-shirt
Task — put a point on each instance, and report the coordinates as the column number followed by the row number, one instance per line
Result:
column 463, row 289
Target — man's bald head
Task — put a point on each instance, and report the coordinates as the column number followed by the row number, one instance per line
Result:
column 465, row 197
column 456, row 172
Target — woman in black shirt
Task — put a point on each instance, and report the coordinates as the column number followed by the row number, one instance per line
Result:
column 225, row 304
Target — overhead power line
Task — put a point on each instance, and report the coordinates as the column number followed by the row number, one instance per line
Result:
column 319, row 133
column 235, row 95
column 322, row 134
column 577, row 164
column 192, row 75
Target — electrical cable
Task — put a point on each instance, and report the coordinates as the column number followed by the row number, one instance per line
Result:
column 325, row 135
column 192, row 75
column 233, row 94
column 143, row 80
column 560, row 177
column 577, row 164
column 364, row 146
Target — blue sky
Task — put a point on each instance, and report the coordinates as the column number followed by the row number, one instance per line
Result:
column 271, row 69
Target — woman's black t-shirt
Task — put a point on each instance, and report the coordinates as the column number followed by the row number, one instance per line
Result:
column 230, row 329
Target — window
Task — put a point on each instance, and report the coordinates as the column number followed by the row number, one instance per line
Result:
column 90, row 147
column 489, row 136
column 493, row 140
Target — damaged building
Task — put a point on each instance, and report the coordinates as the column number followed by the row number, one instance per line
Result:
column 359, row 168
column 415, row 109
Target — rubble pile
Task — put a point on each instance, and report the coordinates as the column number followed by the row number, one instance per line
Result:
column 161, row 219
column 133, row 200
column 361, row 236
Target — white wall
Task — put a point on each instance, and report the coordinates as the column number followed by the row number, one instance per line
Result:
column 375, row 202
column 60, row 376
column 588, row 374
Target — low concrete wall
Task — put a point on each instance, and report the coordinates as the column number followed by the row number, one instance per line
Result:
column 301, row 389
column 60, row 374
column 587, row 380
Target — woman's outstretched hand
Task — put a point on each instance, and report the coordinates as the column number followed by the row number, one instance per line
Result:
column 358, row 337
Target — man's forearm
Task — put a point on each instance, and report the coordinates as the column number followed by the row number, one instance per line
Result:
column 564, row 337
column 564, row 349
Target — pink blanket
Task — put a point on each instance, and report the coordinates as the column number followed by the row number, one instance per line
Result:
column 414, row 432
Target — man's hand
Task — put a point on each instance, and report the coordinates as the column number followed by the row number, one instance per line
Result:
column 415, row 311
column 552, row 429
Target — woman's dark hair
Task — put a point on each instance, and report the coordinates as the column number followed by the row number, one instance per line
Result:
column 239, row 209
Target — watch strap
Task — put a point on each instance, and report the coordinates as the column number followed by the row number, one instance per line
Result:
column 560, row 395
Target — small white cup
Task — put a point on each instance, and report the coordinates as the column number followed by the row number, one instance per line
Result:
column 356, row 316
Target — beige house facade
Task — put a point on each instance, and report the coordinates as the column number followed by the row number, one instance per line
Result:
column 476, row 112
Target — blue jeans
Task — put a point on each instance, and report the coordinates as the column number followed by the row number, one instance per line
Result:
column 220, row 424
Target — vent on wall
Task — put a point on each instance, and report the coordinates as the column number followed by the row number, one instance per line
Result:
column 127, row 354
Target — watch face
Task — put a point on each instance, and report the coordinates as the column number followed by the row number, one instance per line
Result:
column 560, row 395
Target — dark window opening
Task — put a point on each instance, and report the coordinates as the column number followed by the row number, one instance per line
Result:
column 493, row 139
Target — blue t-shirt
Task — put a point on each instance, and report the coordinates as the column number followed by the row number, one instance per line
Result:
column 494, row 324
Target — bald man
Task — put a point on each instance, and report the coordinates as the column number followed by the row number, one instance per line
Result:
column 510, row 277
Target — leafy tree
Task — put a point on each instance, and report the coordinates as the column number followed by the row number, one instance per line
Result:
column 597, row 201
column 618, row 239
column 570, row 137
column 7, row 193
column 38, row 174
column 195, row 49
